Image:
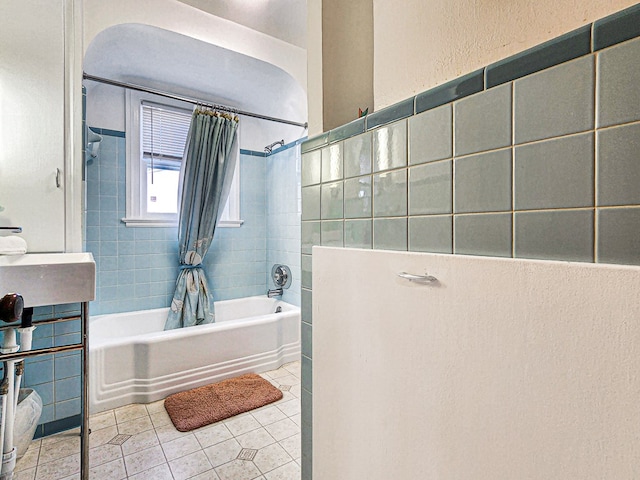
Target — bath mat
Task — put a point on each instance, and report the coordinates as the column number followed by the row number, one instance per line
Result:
column 209, row 404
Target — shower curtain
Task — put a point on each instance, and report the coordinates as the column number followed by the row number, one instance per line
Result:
column 207, row 167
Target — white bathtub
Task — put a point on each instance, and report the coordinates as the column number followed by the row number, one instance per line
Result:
column 132, row 360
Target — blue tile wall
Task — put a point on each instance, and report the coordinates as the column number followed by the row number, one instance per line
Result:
column 56, row 377
column 543, row 135
column 283, row 212
column 137, row 267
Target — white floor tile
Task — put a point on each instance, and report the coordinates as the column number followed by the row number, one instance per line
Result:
column 212, row 434
column 282, row 429
column 113, row 470
column 140, row 441
column 144, row 460
column 27, row 474
column 104, row 454
column 255, row 439
column 64, row 448
column 30, row 458
column 102, row 420
column 223, row 452
column 189, row 465
column 180, row 447
column 292, row 407
column 290, row 471
column 168, row 433
column 155, row 407
column 292, row 445
column 238, row 470
column 102, row 436
column 268, row 415
column 63, row 467
column 137, row 425
column 160, row 472
column 242, row 424
column 130, row 412
column 271, row 457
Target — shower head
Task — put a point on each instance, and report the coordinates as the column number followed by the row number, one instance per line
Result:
column 269, row 148
column 93, row 143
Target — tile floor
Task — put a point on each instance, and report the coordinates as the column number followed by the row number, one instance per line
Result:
column 139, row 442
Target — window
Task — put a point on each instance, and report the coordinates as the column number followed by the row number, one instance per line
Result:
column 157, row 131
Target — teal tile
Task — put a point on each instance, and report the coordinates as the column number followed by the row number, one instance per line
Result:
column 306, row 339
column 483, row 234
column 483, row 121
column 390, row 194
column 331, row 233
column 358, row 233
column 555, row 173
column 332, row 202
column 310, row 236
column 390, row 234
column 431, row 234
column 430, row 188
column 357, row 197
column 619, row 84
column 431, row 135
column 307, row 380
column 483, row 182
column 617, row 28
column 390, row 114
column 357, row 155
column 332, row 166
column 315, row 142
column 311, row 203
column 311, row 167
column 546, row 55
column 390, row 146
column 618, row 239
column 306, row 299
column 348, row 130
column 448, row 92
column 618, row 165
column 554, row 102
column 554, row 235
column 305, row 268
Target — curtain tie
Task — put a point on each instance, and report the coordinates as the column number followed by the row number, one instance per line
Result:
column 183, row 267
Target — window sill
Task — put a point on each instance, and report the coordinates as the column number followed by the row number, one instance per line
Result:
column 156, row 222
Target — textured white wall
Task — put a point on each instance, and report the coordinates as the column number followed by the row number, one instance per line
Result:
column 419, row 44
column 508, row 369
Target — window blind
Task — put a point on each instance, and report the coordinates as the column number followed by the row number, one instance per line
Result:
column 164, row 131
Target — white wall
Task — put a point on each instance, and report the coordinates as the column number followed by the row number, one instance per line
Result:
column 533, row 375
column 419, row 44
column 180, row 18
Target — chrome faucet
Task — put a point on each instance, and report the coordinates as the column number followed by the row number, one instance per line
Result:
column 277, row 292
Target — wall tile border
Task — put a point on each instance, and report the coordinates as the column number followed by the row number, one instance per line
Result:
column 606, row 32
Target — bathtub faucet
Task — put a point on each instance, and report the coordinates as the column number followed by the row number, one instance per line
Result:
column 277, row 292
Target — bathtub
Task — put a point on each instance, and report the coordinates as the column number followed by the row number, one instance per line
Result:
column 133, row 360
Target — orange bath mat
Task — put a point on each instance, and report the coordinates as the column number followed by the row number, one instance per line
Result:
column 209, row 404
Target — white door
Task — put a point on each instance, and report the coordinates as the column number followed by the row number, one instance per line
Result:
column 32, row 122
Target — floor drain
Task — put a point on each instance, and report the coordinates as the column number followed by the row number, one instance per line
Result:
column 247, row 454
column 119, row 439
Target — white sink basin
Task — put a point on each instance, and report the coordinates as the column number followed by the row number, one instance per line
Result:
column 49, row 278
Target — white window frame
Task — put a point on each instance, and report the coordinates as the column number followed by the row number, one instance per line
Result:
column 136, row 186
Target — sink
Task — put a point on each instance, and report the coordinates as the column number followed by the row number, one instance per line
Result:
column 49, row 278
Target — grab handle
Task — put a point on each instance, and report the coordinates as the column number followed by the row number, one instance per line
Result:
column 423, row 279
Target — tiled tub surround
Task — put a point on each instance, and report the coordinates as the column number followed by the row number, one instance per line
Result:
column 535, row 156
column 137, row 267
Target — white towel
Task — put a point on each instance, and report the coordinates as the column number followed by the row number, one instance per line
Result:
column 12, row 245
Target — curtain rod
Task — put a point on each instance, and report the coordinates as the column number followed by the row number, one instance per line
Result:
column 192, row 100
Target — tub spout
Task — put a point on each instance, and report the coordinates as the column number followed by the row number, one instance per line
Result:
column 274, row 293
